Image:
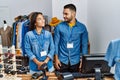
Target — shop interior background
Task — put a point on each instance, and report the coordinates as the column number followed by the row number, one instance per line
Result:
column 102, row 17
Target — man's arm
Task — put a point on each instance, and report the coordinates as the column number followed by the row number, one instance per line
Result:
column 85, row 42
column 56, row 42
column 51, row 48
column 57, row 62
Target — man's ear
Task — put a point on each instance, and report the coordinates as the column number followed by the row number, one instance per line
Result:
column 73, row 13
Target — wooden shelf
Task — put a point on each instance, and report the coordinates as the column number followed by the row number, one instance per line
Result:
column 52, row 76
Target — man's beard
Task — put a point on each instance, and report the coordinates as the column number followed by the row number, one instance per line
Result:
column 69, row 20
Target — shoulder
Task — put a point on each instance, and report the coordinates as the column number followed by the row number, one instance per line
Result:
column 10, row 28
column 80, row 24
column 1, row 28
column 29, row 33
column 47, row 33
column 116, row 41
column 61, row 25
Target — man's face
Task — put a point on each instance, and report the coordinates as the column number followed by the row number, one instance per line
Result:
column 68, row 15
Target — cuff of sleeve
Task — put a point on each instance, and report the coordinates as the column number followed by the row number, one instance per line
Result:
column 84, row 53
column 31, row 58
column 56, row 52
column 51, row 69
column 105, row 59
column 51, row 57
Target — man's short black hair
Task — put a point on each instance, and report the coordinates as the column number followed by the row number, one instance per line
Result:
column 70, row 6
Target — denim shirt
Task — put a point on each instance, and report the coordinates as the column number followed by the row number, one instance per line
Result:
column 24, row 29
column 35, row 43
column 77, row 35
column 14, row 34
column 113, row 56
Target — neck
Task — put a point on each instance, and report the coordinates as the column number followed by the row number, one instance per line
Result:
column 38, row 29
column 72, row 21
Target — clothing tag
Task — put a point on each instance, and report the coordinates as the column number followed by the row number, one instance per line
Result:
column 43, row 53
column 69, row 45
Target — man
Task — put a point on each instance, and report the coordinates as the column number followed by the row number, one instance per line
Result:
column 71, row 41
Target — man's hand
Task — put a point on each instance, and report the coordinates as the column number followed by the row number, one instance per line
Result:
column 80, row 65
column 57, row 63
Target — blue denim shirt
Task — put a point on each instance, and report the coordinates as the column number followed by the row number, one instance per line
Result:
column 77, row 35
column 35, row 43
column 14, row 34
column 25, row 29
column 113, row 56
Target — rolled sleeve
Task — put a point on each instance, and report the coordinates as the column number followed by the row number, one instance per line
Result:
column 56, row 39
column 28, row 47
column 50, row 56
column 52, row 49
column 85, row 42
column 31, row 58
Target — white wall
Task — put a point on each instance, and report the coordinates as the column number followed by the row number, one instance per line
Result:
column 100, row 16
column 13, row 8
column 81, row 5
column 57, row 8
column 103, row 23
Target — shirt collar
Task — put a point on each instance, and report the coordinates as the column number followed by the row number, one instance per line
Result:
column 35, row 32
column 75, row 23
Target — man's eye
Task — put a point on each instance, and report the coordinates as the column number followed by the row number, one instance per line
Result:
column 65, row 13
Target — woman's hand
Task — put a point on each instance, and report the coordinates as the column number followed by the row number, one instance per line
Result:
column 39, row 64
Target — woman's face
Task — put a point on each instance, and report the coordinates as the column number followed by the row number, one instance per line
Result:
column 40, row 21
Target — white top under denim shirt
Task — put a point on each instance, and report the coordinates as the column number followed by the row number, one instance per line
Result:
column 113, row 56
column 35, row 43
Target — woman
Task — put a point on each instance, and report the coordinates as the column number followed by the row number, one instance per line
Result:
column 39, row 44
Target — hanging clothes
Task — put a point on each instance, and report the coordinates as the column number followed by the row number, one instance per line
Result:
column 20, row 28
column 6, row 36
column 25, row 29
column 113, row 57
column 14, row 33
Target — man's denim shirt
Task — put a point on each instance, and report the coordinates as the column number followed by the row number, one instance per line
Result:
column 35, row 43
column 77, row 35
column 113, row 56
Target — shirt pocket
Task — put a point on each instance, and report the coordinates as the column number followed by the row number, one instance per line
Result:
column 64, row 34
column 34, row 45
column 76, row 35
column 46, row 45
